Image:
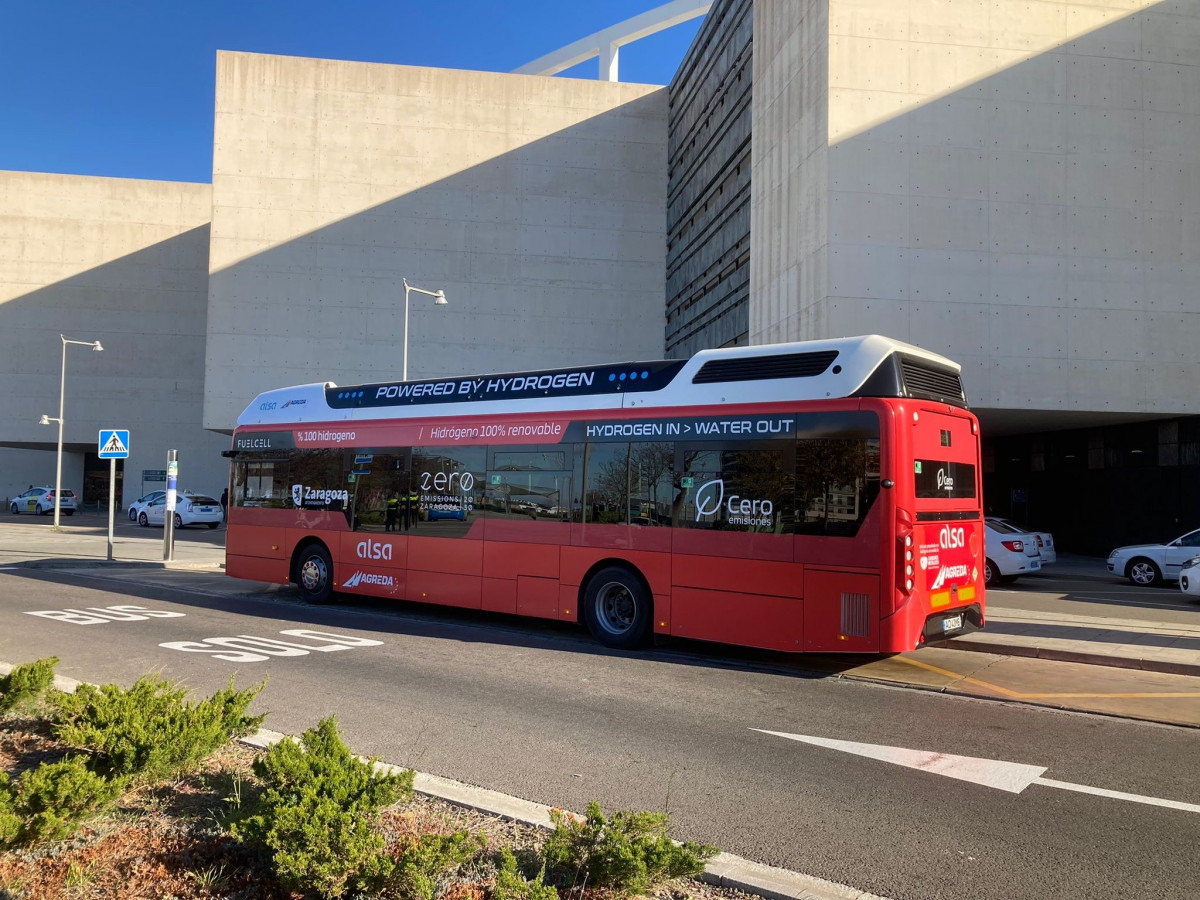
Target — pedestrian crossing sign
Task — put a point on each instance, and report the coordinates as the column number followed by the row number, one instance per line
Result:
column 114, row 443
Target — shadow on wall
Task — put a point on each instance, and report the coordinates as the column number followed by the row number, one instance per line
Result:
column 550, row 254
column 148, row 309
column 1038, row 225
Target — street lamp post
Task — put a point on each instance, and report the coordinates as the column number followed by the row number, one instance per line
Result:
column 46, row 420
column 439, row 299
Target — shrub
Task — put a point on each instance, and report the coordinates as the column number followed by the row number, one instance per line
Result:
column 24, row 686
column 10, row 822
column 629, row 852
column 55, row 797
column 317, row 814
column 151, row 730
column 420, row 864
column 512, row 885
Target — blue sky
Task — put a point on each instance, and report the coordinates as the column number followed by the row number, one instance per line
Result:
column 124, row 88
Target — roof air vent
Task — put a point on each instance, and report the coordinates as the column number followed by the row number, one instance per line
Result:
column 760, row 368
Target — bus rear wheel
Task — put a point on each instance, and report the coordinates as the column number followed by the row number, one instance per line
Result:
column 617, row 608
column 313, row 574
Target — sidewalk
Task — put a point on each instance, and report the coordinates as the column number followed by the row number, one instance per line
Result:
column 1098, row 641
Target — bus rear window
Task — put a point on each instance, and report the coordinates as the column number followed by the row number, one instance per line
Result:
column 941, row 479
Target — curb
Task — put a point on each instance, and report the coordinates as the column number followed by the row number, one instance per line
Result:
column 1075, row 656
column 723, row 870
column 70, row 565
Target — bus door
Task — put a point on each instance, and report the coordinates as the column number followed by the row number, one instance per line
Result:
column 948, row 531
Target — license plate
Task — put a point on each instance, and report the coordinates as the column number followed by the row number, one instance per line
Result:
column 952, row 623
column 205, row 509
column 1034, row 565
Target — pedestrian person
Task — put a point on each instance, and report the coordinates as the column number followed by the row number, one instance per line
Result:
column 224, row 503
column 393, row 507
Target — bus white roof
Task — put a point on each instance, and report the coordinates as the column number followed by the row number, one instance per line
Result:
column 809, row 370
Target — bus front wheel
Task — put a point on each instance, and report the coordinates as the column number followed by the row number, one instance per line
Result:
column 313, row 574
column 617, row 608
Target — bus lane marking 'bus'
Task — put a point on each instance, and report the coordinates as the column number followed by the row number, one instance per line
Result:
column 102, row 615
column 1017, row 695
column 249, row 648
column 994, row 773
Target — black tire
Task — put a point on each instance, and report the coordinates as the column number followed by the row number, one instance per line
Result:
column 68, row 512
column 14, row 510
column 178, row 521
column 143, row 520
column 212, row 525
column 133, row 515
column 991, row 575
column 1143, row 572
column 313, row 574
column 44, row 512
column 617, row 608
column 1009, row 579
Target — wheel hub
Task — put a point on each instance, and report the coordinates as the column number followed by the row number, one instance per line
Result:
column 313, row 574
column 615, row 608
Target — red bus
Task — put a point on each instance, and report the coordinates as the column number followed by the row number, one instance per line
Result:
column 819, row 496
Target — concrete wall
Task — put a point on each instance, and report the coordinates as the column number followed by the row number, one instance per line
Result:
column 789, row 177
column 120, row 261
column 537, row 204
column 1013, row 183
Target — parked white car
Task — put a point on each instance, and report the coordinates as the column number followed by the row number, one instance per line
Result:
column 1010, row 553
column 1045, row 540
column 1189, row 577
column 40, row 502
column 190, row 509
column 1150, row 564
column 142, row 502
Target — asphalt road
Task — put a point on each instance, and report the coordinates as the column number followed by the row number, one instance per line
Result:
column 541, row 712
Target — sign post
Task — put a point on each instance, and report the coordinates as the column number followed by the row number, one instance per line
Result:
column 169, row 521
column 112, row 445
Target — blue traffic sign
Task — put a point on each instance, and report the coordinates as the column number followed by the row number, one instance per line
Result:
column 114, row 443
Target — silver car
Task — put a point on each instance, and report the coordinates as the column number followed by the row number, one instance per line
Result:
column 1150, row 564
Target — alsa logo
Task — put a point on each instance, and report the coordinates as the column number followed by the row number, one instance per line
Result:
column 306, row 496
column 948, row 572
column 373, row 550
column 951, row 538
column 368, row 578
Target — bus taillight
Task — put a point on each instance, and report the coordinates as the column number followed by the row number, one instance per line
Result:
column 905, row 557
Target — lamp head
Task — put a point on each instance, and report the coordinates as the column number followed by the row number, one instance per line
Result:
column 44, row 420
column 439, row 299
column 96, row 348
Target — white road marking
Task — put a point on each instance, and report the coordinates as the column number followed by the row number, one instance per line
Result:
column 1004, row 776
column 993, row 773
column 1119, row 795
column 1143, row 605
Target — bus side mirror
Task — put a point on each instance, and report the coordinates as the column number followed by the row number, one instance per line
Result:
column 887, row 483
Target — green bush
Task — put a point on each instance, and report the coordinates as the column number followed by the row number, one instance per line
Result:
column 55, row 797
column 512, row 885
column 23, row 687
column 419, row 866
column 317, row 814
column 151, row 730
column 629, row 852
column 10, row 822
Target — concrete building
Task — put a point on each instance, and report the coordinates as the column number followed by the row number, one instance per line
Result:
column 1014, row 183
column 126, row 263
column 535, row 203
